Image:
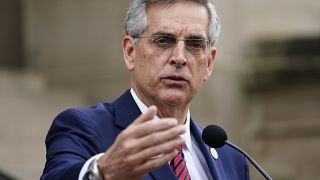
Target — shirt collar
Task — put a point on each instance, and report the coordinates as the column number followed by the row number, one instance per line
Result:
column 143, row 108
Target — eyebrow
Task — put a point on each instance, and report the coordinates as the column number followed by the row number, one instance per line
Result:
column 196, row 37
column 192, row 36
column 160, row 33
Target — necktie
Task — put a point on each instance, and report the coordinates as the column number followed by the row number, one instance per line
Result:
column 179, row 166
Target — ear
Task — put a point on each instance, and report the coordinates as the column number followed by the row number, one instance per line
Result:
column 128, row 49
column 210, row 64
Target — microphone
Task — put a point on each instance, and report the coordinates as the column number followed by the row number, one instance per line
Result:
column 215, row 137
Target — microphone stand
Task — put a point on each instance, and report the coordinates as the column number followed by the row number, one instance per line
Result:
column 253, row 162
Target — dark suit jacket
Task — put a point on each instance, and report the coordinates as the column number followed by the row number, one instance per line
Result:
column 78, row 134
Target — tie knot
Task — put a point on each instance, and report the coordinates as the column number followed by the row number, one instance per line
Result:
column 179, row 149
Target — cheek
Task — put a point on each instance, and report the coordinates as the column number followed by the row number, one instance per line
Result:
column 152, row 61
column 199, row 70
column 199, row 67
column 147, row 67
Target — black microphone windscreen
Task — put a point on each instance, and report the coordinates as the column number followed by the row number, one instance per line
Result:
column 214, row 136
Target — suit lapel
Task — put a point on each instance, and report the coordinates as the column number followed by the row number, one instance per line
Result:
column 196, row 131
column 126, row 110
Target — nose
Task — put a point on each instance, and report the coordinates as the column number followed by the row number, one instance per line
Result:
column 178, row 57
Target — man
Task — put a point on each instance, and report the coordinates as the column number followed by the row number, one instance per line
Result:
column 147, row 133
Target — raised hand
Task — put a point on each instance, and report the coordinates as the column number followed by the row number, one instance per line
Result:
column 145, row 145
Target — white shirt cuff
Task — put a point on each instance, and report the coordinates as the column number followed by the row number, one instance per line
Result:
column 84, row 168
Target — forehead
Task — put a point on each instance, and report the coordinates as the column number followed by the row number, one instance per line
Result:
column 181, row 19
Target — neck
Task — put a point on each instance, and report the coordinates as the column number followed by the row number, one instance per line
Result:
column 180, row 113
column 165, row 110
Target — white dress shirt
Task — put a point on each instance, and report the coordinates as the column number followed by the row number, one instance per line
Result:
column 196, row 163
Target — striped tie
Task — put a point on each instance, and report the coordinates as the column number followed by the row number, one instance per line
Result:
column 179, row 167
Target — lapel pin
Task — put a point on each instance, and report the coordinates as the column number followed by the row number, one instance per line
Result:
column 214, row 153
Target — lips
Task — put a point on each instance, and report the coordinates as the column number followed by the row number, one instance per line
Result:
column 175, row 77
column 175, row 80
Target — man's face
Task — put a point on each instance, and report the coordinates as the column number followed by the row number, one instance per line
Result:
column 167, row 73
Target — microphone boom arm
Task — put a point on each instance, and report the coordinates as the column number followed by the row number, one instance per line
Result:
column 253, row 162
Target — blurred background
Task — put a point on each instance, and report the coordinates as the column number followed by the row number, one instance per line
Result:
column 265, row 88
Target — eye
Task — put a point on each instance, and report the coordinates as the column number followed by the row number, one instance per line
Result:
column 164, row 41
column 195, row 43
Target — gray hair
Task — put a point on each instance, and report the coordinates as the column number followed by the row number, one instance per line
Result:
column 137, row 18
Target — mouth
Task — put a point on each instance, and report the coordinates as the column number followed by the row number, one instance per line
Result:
column 175, row 80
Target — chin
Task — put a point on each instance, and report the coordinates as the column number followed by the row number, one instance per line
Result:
column 174, row 98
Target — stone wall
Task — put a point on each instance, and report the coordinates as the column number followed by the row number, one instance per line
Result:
column 75, row 46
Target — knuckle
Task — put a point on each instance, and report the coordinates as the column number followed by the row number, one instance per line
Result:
column 124, row 134
column 127, row 146
column 129, row 162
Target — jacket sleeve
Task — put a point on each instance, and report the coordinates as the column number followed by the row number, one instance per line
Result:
column 71, row 140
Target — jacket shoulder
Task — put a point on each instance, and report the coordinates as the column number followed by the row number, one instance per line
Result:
column 76, row 135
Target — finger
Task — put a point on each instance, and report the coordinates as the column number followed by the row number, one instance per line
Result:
column 152, row 164
column 150, row 127
column 149, row 115
column 156, row 151
column 156, row 143
column 160, row 137
column 135, row 139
